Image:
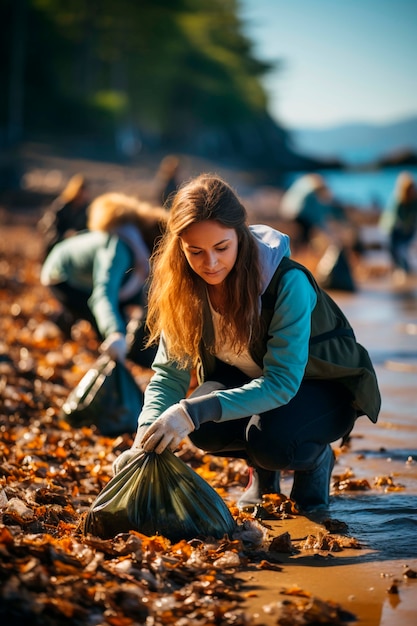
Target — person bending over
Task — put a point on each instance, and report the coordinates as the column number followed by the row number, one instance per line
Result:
column 100, row 275
column 281, row 375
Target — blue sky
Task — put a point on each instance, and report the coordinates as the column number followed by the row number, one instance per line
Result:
column 344, row 60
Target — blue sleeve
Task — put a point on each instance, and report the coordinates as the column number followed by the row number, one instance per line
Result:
column 110, row 266
column 314, row 211
column 168, row 385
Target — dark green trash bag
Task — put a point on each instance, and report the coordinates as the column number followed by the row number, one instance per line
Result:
column 159, row 494
column 334, row 272
column 108, row 397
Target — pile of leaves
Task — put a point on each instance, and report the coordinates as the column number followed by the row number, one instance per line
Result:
column 50, row 474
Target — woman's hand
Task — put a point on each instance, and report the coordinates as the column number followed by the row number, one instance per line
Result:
column 168, row 430
column 115, row 346
column 125, row 457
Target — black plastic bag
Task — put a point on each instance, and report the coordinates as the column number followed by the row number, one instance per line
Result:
column 108, row 397
column 334, row 272
column 159, row 494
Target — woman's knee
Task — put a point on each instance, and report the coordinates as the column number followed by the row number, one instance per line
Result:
column 205, row 439
column 207, row 387
column 214, row 438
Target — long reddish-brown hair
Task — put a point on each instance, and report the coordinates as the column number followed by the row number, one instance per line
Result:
column 177, row 294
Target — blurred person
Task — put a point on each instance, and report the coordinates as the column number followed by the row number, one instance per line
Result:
column 309, row 202
column 280, row 374
column 67, row 214
column 399, row 221
column 101, row 274
column 167, row 179
column 324, row 226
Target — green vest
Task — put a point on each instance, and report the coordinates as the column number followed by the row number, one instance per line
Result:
column 334, row 353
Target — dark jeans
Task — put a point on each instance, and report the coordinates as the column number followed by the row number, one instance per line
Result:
column 289, row 437
column 399, row 249
column 75, row 303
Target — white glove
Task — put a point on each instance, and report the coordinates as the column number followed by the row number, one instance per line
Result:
column 125, row 457
column 168, row 430
column 115, row 346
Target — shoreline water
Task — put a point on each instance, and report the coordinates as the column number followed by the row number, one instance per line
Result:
column 363, row 188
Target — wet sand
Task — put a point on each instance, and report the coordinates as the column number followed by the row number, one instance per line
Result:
column 384, row 317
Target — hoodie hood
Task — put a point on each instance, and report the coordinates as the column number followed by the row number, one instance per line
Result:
column 273, row 246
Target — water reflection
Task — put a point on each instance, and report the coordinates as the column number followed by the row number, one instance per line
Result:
column 386, row 524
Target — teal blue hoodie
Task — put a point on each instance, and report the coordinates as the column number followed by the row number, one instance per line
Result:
column 284, row 362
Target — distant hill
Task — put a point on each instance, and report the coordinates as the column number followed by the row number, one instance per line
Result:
column 357, row 143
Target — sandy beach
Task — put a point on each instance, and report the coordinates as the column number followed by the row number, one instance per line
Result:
column 368, row 582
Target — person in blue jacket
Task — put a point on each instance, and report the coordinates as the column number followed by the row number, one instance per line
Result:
column 399, row 221
column 279, row 378
column 100, row 275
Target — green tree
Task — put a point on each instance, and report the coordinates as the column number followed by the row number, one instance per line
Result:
column 180, row 71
